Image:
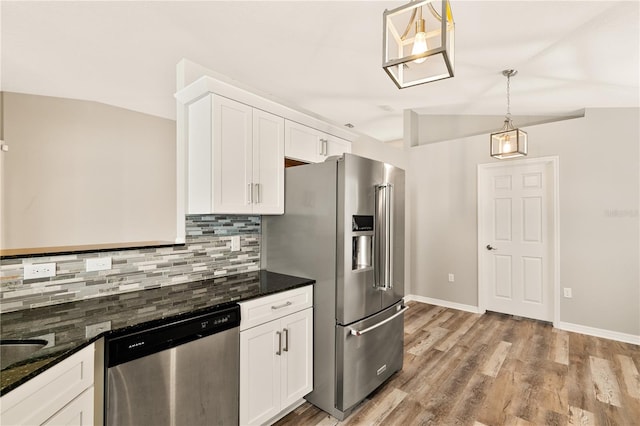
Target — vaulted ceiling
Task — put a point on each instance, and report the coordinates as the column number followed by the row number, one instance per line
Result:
column 325, row 56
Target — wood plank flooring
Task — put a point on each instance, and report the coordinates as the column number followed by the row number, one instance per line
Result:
column 468, row 369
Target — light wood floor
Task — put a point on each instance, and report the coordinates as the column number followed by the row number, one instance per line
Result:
column 468, row 369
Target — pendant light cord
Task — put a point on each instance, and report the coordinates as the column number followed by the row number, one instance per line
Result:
column 508, row 96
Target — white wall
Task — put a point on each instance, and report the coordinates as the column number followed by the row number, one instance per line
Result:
column 84, row 173
column 599, row 221
column 391, row 153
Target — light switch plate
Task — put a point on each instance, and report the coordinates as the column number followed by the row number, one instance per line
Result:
column 39, row 270
column 98, row 264
column 235, row 243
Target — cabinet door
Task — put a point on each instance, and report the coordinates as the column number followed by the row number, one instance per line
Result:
column 78, row 412
column 336, row 146
column 297, row 356
column 302, row 142
column 268, row 163
column 259, row 373
column 232, row 156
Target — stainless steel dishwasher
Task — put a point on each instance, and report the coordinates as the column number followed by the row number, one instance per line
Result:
column 184, row 372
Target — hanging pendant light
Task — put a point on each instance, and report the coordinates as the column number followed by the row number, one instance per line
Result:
column 509, row 141
column 423, row 51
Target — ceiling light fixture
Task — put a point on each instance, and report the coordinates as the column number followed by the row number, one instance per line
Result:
column 509, row 141
column 423, row 52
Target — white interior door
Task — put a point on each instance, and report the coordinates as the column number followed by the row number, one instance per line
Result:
column 516, row 238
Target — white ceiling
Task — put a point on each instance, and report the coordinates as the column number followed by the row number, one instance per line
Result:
column 325, row 56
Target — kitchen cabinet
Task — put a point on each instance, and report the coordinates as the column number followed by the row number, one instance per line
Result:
column 235, row 158
column 276, row 354
column 63, row 394
column 304, row 143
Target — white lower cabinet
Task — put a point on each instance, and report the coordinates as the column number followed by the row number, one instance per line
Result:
column 78, row 412
column 61, row 395
column 276, row 356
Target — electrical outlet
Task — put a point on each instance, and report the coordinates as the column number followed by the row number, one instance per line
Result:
column 235, row 243
column 39, row 270
column 95, row 329
column 567, row 292
column 452, row 278
column 98, row 264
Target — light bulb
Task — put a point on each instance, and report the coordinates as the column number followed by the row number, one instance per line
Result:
column 506, row 145
column 419, row 46
column 420, row 40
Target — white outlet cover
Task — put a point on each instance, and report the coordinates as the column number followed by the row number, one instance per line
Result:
column 39, row 270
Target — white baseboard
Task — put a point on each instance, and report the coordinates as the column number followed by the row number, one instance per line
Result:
column 598, row 332
column 444, row 303
column 567, row 326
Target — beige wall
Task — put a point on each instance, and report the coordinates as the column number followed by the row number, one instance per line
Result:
column 599, row 221
column 81, row 172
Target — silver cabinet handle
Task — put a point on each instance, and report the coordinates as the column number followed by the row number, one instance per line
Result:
column 279, row 351
column 491, row 248
column 284, row 305
column 257, row 186
column 323, row 147
column 286, row 339
column 373, row 327
column 249, row 194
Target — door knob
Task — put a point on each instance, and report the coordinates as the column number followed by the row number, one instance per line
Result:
column 491, row 248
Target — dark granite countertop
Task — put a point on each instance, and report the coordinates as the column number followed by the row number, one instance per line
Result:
column 126, row 312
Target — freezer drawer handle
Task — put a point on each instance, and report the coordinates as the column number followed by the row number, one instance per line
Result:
column 284, row 305
column 373, row 327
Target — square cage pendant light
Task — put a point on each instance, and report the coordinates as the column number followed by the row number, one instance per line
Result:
column 509, row 141
column 418, row 42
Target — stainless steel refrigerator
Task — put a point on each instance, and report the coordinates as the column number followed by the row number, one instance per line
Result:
column 344, row 227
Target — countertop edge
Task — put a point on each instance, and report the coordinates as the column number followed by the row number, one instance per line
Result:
column 58, row 357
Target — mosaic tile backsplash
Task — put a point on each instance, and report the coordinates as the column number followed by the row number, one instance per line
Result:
column 206, row 254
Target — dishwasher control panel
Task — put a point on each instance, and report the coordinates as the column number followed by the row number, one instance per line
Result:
column 143, row 342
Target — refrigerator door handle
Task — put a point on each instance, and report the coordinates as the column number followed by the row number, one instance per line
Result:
column 373, row 327
column 383, row 238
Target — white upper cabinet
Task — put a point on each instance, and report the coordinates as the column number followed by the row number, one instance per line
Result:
column 310, row 145
column 335, row 146
column 268, row 163
column 235, row 158
column 301, row 142
column 233, row 141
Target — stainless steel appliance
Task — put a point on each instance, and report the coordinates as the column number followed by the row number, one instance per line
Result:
column 181, row 373
column 344, row 226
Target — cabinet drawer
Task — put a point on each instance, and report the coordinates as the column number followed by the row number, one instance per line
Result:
column 258, row 311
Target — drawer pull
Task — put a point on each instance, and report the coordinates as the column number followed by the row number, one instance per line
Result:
column 284, row 305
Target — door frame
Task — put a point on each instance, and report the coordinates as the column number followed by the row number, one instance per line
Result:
column 552, row 172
